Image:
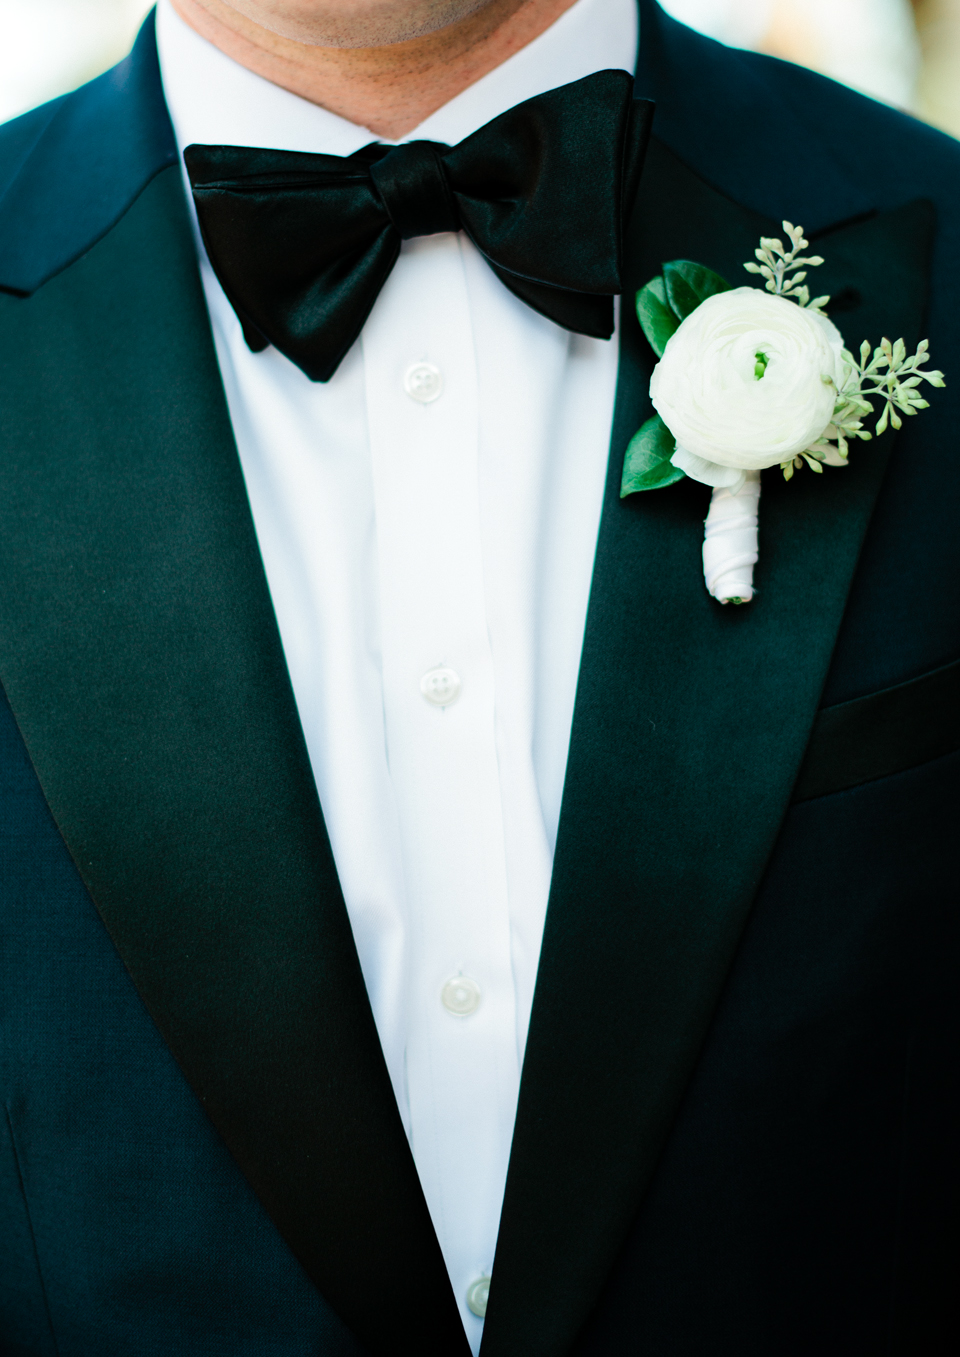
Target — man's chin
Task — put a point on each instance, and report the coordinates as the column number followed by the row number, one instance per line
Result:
column 356, row 23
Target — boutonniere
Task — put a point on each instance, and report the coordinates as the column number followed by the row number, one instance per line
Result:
column 753, row 378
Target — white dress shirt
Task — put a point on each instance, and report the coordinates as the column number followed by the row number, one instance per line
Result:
column 432, row 508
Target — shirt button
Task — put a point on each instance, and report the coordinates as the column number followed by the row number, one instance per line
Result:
column 423, row 382
column 478, row 1293
column 441, row 686
column 461, row 996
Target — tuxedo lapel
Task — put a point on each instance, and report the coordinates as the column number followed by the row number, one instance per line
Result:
column 690, row 726
column 140, row 655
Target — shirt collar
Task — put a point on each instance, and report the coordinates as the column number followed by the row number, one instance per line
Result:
column 213, row 100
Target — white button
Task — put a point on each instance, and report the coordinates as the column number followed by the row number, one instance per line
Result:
column 478, row 1293
column 423, row 383
column 441, row 686
column 461, row 996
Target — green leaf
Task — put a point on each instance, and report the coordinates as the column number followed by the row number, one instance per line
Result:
column 689, row 284
column 647, row 465
column 656, row 318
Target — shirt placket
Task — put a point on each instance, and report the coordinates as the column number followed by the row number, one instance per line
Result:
column 439, row 709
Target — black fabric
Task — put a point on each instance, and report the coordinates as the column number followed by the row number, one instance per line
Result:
column 882, row 734
column 689, row 728
column 807, row 1202
column 141, row 658
column 126, row 1228
column 302, row 244
column 414, row 191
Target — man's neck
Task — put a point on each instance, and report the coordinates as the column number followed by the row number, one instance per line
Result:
column 390, row 88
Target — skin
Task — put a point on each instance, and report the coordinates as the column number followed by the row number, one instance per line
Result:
column 384, row 64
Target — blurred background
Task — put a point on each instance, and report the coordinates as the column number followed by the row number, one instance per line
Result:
column 905, row 53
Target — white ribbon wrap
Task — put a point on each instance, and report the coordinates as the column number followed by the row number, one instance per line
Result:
column 730, row 541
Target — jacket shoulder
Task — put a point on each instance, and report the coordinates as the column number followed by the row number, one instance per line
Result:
column 19, row 136
column 782, row 139
column 71, row 168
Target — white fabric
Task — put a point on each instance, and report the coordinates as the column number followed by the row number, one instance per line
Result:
column 730, row 537
column 399, row 536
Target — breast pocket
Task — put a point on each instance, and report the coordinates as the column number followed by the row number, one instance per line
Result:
column 883, row 733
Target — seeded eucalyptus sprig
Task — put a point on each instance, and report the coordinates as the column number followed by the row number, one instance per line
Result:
column 888, row 373
column 777, row 265
column 898, row 385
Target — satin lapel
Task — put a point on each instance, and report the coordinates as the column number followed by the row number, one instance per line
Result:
column 140, row 655
column 690, row 725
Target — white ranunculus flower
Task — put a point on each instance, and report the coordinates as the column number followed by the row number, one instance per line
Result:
column 747, row 381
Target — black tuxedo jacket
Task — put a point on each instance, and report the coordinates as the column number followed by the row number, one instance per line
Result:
column 737, row 1132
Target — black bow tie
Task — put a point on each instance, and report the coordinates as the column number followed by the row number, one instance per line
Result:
column 302, row 244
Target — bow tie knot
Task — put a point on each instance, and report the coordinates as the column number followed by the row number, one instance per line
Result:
column 302, row 244
column 413, row 185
